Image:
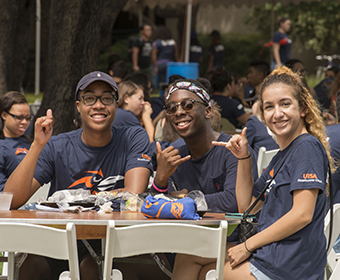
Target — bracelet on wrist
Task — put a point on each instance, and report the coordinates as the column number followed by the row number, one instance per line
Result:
column 245, row 245
column 244, row 157
column 158, row 188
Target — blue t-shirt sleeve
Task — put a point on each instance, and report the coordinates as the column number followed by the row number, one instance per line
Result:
column 8, row 163
column 139, row 153
column 310, row 172
column 237, row 108
column 125, row 118
column 277, row 37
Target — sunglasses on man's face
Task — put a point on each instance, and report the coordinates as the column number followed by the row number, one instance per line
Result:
column 187, row 105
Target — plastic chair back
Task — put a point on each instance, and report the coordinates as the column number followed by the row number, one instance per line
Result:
column 263, row 159
column 41, row 240
column 167, row 238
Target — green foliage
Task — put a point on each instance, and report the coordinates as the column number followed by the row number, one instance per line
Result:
column 240, row 49
column 312, row 80
column 316, row 24
column 120, row 47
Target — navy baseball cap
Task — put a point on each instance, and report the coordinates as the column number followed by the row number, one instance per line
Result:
column 93, row 77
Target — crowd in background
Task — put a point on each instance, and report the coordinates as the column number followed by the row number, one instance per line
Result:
column 172, row 134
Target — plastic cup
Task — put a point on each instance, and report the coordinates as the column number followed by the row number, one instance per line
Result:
column 5, row 200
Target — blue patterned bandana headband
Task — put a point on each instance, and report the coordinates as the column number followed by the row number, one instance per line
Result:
column 200, row 92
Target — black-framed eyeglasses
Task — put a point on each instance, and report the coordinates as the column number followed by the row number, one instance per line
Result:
column 20, row 118
column 187, row 105
column 106, row 99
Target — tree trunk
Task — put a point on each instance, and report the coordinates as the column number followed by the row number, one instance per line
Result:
column 77, row 28
column 16, row 17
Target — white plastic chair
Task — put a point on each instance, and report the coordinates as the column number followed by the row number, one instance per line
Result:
column 264, row 157
column 333, row 259
column 167, row 238
column 41, row 240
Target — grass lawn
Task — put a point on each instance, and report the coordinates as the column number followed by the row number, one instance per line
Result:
column 31, row 97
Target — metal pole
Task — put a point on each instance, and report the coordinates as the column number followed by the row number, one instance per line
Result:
column 37, row 48
column 188, row 29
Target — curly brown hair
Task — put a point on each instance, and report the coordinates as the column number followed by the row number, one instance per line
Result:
column 313, row 117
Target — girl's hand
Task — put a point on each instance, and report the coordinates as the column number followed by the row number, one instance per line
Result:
column 147, row 109
column 238, row 144
column 238, row 254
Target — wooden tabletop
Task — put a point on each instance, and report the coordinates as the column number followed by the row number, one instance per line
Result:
column 92, row 225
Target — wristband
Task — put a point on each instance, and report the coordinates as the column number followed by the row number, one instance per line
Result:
column 244, row 157
column 245, row 245
column 157, row 188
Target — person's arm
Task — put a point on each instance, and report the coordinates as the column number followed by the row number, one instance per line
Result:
column 210, row 62
column 146, row 118
column 176, row 52
column 276, row 54
column 297, row 218
column 135, row 53
column 21, row 182
column 161, row 115
column 243, row 119
column 238, row 145
column 136, row 180
column 154, row 54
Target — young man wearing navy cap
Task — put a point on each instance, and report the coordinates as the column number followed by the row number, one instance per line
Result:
column 97, row 156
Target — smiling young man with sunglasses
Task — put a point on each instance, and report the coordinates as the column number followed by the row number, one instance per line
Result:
column 97, row 157
column 198, row 165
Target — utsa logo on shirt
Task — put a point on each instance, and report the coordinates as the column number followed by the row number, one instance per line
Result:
column 144, row 157
column 309, row 177
column 21, row 151
column 271, row 173
column 95, row 181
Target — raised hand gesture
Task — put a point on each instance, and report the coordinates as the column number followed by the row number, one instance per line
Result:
column 167, row 162
column 238, row 144
column 44, row 128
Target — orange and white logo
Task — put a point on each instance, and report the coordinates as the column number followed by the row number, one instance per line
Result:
column 21, row 151
column 95, row 181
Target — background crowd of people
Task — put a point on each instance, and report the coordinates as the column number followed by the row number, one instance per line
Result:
column 184, row 135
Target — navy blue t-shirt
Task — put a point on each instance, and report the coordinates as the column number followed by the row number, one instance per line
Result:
column 12, row 151
column 144, row 55
column 217, row 51
column 284, row 49
column 157, row 104
column 303, row 254
column 231, row 109
column 258, row 136
column 333, row 132
column 166, row 50
column 196, row 52
column 322, row 92
column 68, row 163
column 125, row 118
column 214, row 174
column 248, row 91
